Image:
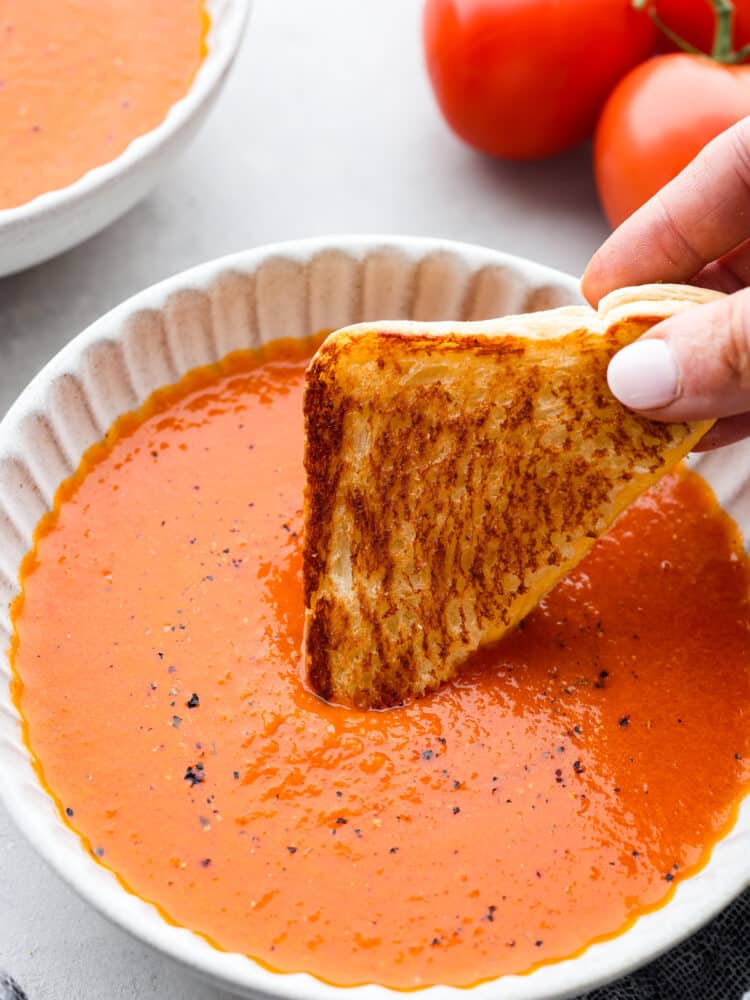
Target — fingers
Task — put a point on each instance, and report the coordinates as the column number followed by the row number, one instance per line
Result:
column 725, row 432
column 701, row 215
column 693, row 366
column 729, row 274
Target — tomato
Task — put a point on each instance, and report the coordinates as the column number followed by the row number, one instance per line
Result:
column 655, row 122
column 695, row 21
column 525, row 79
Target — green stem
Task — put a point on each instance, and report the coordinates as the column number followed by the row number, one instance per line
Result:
column 722, row 50
column 741, row 55
column 676, row 39
column 724, row 33
column 681, row 43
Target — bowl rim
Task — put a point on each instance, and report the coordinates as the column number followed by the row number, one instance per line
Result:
column 604, row 961
column 226, row 31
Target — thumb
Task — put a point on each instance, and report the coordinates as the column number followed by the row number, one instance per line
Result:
column 692, row 366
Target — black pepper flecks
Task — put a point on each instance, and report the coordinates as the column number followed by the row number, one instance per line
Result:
column 69, row 812
column 428, row 754
column 195, row 774
column 292, row 850
column 456, row 810
column 624, row 721
column 176, row 721
column 194, row 701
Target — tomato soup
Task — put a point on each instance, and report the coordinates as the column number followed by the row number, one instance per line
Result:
column 80, row 79
column 563, row 786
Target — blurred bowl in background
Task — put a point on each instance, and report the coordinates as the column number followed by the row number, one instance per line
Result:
column 58, row 220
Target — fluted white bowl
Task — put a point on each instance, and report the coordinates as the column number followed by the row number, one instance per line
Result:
column 58, row 220
column 195, row 318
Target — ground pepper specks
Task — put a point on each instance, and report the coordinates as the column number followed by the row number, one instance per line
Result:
column 263, row 804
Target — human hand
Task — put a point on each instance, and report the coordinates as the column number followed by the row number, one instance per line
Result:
column 695, row 365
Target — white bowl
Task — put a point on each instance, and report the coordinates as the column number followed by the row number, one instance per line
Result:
column 57, row 220
column 289, row 289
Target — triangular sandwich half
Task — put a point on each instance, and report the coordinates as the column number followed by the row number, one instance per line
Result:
column 455, row 473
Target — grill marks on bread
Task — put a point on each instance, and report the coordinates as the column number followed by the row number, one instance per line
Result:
column 455, row 472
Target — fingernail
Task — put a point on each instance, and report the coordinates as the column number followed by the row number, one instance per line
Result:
column 644, row 375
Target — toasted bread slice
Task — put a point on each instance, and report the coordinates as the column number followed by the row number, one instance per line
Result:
column 455, row 472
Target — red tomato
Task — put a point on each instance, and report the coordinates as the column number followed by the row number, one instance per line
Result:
column 527, row 78
column 695, row 21
column 657, row 119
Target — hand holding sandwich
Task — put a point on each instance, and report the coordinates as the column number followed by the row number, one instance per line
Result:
column 695, row 365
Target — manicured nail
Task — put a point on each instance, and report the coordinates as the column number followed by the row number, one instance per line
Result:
column 644, row 375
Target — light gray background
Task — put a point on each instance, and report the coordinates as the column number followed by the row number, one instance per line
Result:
column 326, row 125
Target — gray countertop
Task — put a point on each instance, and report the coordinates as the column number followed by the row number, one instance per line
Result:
column 326, row 125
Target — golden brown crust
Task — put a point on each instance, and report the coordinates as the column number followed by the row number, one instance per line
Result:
column 454, row 474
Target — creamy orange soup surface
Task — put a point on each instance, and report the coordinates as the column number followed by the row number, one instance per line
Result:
column 80, row 79
column 565, row 784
